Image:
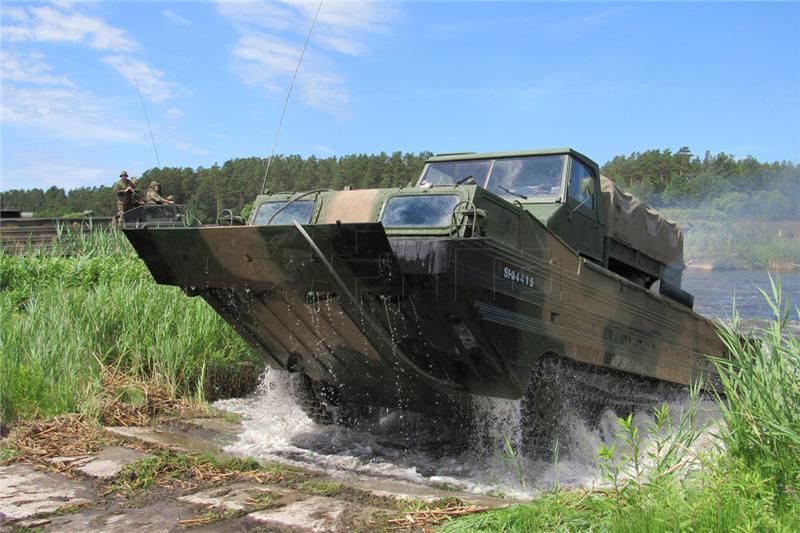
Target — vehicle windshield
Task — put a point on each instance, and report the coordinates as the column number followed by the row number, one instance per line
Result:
column 433, row 211
column 521, row 177
column 450, row 173
column 526, row 177
column 299, row 211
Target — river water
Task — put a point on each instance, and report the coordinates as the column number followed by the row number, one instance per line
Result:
column 275, row 428
column 716, row 292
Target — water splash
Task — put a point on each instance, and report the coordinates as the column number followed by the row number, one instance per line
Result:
column 275, row 428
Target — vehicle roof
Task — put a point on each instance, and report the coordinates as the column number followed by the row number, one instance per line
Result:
column 518, row 153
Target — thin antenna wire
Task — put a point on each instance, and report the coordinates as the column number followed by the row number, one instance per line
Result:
column 288, row 94
column 141, row 99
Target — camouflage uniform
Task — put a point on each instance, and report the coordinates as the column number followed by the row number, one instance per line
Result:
column 125, row 199
column 153, row 196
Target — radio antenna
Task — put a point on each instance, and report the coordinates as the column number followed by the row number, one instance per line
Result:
column 289, row 94
column 141, row 99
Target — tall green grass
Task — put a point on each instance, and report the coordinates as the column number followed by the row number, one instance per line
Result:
column 66, row 312
column 761, row 409
column 750, row 481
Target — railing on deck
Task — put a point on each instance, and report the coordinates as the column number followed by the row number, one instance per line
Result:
column 24, row 235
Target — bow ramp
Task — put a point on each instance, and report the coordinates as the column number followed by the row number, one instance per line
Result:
column 328, row 300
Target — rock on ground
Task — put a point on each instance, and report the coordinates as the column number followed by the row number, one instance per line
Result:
column 243, row 496
column 105, row 464
column 158, row 518
column 25, row 492
column 316, row 513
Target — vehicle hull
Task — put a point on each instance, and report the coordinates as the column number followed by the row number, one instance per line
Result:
column 423, row 323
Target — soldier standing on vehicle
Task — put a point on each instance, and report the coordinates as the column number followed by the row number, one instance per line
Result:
column 126, row 195
column 154, row 195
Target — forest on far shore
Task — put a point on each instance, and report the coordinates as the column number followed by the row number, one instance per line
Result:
column 740, row 187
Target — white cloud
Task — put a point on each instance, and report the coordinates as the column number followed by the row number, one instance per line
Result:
column 15, row 13
column 270, row 15
column 174, row 112
column 269, row 62
column 325, row 91
column 67, row 174
column 189, row 147
column 65, row 113
column 47, row 24
column 29, row 67
column 341, row 25
column 264, row 59
column 175, row 18
column 63, row 4
column 271, row 36
column 150, row 80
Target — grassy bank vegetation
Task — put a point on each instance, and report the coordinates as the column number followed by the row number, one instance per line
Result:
column 748, row 481
column 65, row 315
column 729, row 242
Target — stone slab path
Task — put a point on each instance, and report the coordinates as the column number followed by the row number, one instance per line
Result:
column 103, row 465
column 68, row 500
column 26, row 492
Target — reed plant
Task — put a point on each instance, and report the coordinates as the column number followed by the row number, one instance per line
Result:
column 761, row 404
column 65, row 313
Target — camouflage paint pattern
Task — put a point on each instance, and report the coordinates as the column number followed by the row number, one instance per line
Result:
column 421, row 318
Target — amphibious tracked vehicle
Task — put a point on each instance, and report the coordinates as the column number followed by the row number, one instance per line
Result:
column 487, row 270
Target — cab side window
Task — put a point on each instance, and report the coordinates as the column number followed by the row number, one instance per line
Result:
column 581, row 186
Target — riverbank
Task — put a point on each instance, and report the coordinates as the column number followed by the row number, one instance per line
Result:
column 69, row 319
column 716, row 241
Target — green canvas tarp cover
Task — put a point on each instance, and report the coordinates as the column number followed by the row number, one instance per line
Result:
column 636, row 224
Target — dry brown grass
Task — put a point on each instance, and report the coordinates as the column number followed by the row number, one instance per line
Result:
column 63, row 436
column 79, row 434
column 422, row 519
column 129, row 401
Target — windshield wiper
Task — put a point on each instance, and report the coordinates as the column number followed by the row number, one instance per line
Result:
column 514, row 193
column 462, row 180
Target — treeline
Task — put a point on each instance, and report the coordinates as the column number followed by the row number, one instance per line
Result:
column 741, row 187
column 207, row 191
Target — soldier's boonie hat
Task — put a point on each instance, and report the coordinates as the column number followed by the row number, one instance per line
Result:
column 154, row 184
column 123, row 174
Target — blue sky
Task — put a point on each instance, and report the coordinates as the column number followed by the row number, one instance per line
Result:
column 604, row 78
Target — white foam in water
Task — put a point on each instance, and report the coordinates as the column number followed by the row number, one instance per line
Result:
column 275, row 428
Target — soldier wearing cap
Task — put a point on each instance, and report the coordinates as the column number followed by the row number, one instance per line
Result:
column 154, row 197
column 125, row 190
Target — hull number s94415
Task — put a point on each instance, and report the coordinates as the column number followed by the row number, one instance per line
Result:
column 518, row 277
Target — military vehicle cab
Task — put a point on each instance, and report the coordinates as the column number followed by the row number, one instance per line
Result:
column 497, row 196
